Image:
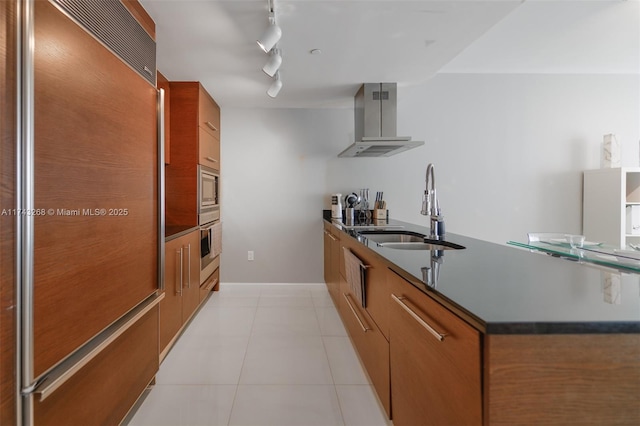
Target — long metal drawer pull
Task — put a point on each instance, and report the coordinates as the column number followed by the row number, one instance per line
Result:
column 364, row 327
column 82, row 357
column 189, row 265
column 211, row 126
column 211, row 159
column 330, row 236
column 179, row 252
column 399, row 300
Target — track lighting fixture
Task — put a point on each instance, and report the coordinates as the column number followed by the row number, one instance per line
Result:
column 275, row 86
column 271, row 36
column 274, row 62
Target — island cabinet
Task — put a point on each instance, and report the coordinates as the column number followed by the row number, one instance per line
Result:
column 332, row 262
column 368, row 326
column 436, row 375
column 181, row 287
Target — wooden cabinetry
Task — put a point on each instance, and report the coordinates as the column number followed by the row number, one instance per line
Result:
column 181, row 286
column 367, row 327
column 195, row 139
column 332, row 262
column 435, row 361
column 609, row 196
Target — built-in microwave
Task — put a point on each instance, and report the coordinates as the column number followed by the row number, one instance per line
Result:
column 208, row 195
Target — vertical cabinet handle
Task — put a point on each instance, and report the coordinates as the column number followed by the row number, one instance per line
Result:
column 181, row 254
column 431, row 330
column 189, row 265
column 179, row 270
column 211, row 126
column 364, row 327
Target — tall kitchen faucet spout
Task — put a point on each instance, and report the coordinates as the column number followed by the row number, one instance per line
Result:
column 430, row 204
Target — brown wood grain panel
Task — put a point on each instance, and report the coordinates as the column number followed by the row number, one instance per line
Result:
column 377, row 288
column 104, row 390
column 191, row 298
column 432, row 382
column 209, row 285
column 209, row 149
column 141, row 15
column 7, row 222
column 171, row 305
column 182, row 174
column 96, row 148
column 163, row 83
column 562, row 379
column 372, row 347
column 208, row 111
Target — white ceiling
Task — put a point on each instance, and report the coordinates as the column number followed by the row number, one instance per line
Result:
column 408, row 42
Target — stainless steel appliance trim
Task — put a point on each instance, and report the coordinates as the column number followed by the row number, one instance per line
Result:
column 73, row 364
column 25, row 159
column 431, row 330
column 364, row 327
column 161, row 188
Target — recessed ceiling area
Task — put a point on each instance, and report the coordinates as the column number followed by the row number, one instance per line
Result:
column 361, row 41
column 408, row 42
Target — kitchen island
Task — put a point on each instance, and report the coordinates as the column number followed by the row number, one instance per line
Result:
column 520, row 337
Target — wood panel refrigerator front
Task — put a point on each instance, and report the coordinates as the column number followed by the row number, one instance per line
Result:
column 95, row 156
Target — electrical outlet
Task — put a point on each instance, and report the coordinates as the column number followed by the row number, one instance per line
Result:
column 250, row 255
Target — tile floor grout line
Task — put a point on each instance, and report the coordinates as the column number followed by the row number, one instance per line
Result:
column 246, row 350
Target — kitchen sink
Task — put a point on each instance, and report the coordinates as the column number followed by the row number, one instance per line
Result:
column 395, row 236
column 407, row 240
column 433, row 245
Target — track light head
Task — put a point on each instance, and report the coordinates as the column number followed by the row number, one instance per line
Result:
column 270, row 37
column 275, row 86
column 273, row 64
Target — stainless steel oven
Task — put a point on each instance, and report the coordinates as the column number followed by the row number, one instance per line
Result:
column 209, row 260
column 208, row 195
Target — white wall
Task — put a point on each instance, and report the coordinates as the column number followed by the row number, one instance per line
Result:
column 274, row 181
column 510, row 126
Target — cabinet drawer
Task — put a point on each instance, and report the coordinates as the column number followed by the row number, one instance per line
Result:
column 370, row 343
column 103, row 391
column 435, row 361
column 209, row 149
column 208, row 113
column 209, row 284
column 377, row 289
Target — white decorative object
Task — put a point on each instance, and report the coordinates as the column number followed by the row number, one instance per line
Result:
column 633, row 220
column 611, row 288
column 610, row 151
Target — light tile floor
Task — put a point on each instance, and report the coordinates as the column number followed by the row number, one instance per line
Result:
column 263, row 355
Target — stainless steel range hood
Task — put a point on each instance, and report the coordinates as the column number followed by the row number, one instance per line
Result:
column 375, row 121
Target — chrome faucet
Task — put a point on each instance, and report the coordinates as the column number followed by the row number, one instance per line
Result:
column 430, row 205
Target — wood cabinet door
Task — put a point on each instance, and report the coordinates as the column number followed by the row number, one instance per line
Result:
column 171, row 305
column 433, row 382
column 191, row 278
column 370, row 343
column 209, row 149
column 95, row 150
column 327, row 257
column 208, row 113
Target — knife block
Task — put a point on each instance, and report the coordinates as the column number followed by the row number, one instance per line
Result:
column 380, row 214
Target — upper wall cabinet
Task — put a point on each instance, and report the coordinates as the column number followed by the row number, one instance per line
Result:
column 195, row 122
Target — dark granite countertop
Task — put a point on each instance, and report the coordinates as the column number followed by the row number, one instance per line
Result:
column 171, row 232
column 506, row 290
